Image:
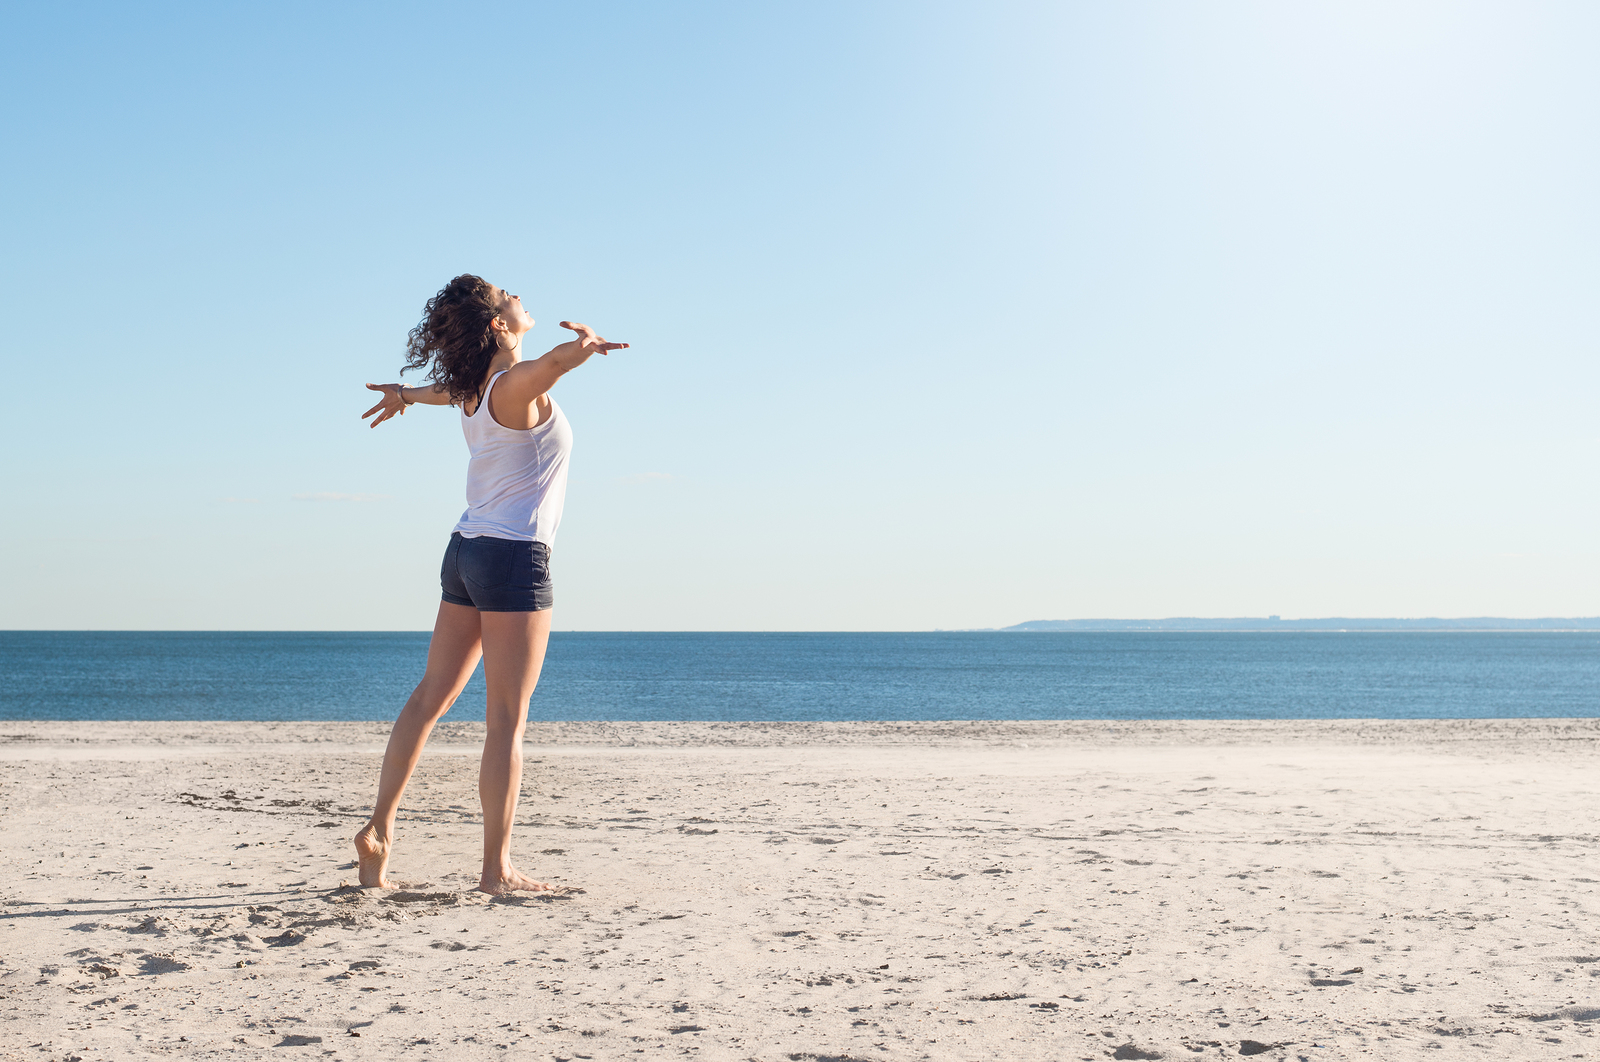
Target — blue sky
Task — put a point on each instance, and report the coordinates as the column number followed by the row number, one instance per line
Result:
column 942, row 315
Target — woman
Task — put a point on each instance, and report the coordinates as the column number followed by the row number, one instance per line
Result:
column 496, row 573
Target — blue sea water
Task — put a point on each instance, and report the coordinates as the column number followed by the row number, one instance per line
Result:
column 722, row 676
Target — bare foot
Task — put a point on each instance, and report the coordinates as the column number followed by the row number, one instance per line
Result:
column 511, row 880
column 372, row 856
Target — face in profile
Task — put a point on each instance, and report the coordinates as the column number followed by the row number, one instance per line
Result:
column 509, row 307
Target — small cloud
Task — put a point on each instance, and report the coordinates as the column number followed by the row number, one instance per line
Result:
column 650, row 477
column 241, row 501
column 331, row 496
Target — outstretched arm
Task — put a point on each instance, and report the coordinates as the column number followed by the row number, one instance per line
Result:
column 396, row 397
column 525, row 381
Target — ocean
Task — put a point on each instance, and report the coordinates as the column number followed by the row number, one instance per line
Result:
column 723, row 676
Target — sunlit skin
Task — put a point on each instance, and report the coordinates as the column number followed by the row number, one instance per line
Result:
column 511, row 644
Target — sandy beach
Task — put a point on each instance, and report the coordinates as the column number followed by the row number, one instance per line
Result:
column 810, row 892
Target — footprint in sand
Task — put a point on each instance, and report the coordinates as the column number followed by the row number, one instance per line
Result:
column 1128, row 1050
column 443, row 898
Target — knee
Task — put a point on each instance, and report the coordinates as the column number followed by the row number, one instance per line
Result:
column 433, row 702
column 506, row 720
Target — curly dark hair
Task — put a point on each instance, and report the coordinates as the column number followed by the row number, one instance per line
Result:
column 454, row 334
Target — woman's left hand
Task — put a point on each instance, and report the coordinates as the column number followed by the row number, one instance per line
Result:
column 590, row 343
column 391, row 406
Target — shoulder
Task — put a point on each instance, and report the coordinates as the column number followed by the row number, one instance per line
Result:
column 523, row 382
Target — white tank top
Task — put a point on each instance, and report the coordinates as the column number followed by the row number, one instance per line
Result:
column 516, row 479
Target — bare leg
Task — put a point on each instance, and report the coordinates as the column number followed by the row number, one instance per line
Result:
column 513, row 653
column 452, row 655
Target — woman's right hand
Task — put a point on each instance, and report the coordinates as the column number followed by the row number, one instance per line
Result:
column 392, row 404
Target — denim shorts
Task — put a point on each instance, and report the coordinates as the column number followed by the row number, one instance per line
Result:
column 497, row 574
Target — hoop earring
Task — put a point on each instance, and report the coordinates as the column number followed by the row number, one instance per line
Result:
column 497, row 345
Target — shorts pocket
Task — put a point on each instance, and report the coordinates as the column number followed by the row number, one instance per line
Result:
column 531, row 568
column 487, row 563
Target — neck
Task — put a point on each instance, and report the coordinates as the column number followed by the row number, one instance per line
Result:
column 506, row 358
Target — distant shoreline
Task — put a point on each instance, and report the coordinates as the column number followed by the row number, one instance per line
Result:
column 1479, row 624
